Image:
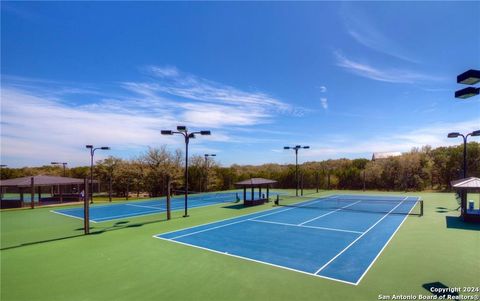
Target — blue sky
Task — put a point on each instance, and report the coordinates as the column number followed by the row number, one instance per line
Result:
column 348, row 79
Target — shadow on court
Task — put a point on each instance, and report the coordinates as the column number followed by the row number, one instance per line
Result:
column 94, row 230
column 440, row 290
column 455, row 222
column 444, row 210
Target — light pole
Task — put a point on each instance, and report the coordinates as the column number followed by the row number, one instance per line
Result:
column 92, row 152
column 206, row 169
column 182, row 130
column 455, row 135
column 296, row 148
column 64, row 165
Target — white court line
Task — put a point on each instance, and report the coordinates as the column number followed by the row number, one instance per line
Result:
column 254, row 260
column 240, row 221
column 358, row 238
column 71, row 216
column 142, row 206
column 328, row 213
column 384, row 246
column 299, row 226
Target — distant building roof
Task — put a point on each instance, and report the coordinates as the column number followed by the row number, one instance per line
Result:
column 385, row 155
column 471, row 183
column 255, row 182
column 40, row 181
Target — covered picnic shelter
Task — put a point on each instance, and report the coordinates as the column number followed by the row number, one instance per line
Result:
column 67, row 189
column 252, row 184
column 469, row 212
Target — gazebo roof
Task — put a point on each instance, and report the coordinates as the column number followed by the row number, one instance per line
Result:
column 255, row 182
column 40, row 181
column 467, row 183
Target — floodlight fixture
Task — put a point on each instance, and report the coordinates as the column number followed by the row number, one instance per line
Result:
column 470, row 77
column 453, row 135
column 89, row 146
column 181, row 128
column 286, row 147
column 475, row 133
column 467, row 92
column 166, row 132
column 105, row 147
column 306, row 147
column 205, row 133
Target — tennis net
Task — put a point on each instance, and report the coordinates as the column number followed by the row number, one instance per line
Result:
column 403, row 206
column 220, row 197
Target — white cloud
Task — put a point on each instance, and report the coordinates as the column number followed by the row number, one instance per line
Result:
column 40, row 125
column 323, row 89
column 379, row 74
column 324, row 103
column 434, row 135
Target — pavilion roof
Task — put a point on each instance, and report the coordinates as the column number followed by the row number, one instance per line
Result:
column 40, row 181
column 255, row 182
column 467, row 183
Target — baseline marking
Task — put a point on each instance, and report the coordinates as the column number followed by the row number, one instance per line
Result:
column 353, row 242
column 68, row 215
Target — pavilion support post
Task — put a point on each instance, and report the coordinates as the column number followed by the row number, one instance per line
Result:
column 32, row 193
column 253, row 193
column 260, row 192
column 244, row 193
column 268, row 193
column 51, row 190
column 21, row 196
column 60, row 192
column 39, row 193
column 86, row 213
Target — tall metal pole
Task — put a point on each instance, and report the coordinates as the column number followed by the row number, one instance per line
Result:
column 92, row 151
column 187, row 139
column 296, row 171
column 465, row 156
column 64, row 171
column 86, row 213
column 206, row 172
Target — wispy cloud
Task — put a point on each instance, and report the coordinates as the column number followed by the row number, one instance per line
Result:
column 39, row 122
column 392, row 75
column 363, row 29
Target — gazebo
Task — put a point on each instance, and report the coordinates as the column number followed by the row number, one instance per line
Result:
column 34, row 184
column 465, row 186
column 255, row 183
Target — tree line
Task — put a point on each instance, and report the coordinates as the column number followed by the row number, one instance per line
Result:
column 419, row 169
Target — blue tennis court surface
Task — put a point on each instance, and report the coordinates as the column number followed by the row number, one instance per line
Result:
column 102, row 213
column 336, row 237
